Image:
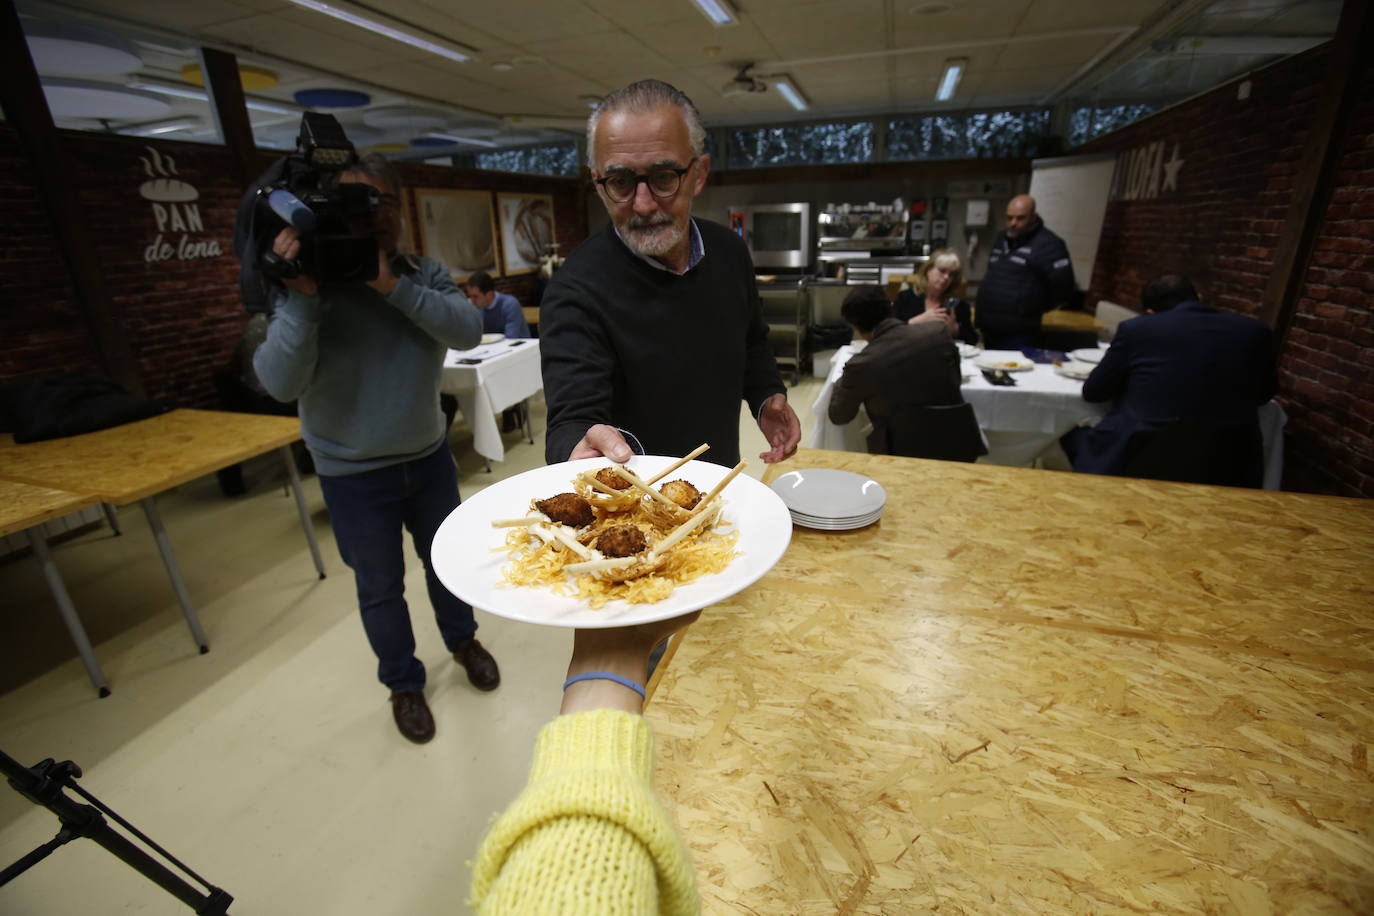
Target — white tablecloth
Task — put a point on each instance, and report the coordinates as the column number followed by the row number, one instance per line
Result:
column 506, row 374
column 1020, row 422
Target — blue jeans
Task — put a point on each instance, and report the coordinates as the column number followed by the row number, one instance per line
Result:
column 367, row 511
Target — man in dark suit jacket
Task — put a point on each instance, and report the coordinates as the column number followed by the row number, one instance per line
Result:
column 903, row 365
column 1179, row 361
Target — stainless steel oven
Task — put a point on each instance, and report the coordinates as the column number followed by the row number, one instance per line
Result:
column 778, row 235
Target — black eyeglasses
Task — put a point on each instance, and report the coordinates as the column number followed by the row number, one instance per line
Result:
column 621, row 184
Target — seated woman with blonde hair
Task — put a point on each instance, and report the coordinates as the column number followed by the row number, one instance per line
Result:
column 937, row 294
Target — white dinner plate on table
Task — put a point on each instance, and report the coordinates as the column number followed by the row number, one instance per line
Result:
column 1006, row 361
column 1088, row 355
column 468, row 552
column 830, row 524
column 492, row 338
column 1075, row 369
column 826, row 497
column 967, row 350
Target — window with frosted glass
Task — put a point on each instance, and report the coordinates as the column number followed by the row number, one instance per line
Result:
column 968, row 135
column 559, row 160
column 1092, row 121
column 800, row 144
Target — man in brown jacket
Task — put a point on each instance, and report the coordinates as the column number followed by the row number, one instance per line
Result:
column 904, row 365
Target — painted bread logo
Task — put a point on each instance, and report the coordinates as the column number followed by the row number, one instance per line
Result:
column 175, row 210
column 1144, row 174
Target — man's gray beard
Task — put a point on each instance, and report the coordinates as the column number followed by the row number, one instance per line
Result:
column 654, row 241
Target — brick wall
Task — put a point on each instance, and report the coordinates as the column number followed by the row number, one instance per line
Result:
column 176, row 299
column 38, row 316
column 1221, row 224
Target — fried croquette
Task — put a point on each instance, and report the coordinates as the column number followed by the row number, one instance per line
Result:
column 682, row 493
column 621, row 541
column 567, row 509
column 612, row 478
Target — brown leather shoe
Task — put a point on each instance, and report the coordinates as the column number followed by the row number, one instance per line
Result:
column 479, row 664
column 412, row 715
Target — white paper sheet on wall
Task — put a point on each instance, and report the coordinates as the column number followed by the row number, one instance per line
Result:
column 1071, row 197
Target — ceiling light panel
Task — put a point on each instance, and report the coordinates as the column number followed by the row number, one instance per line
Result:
column 386, row 26
column 720, row 12
column 949, row 79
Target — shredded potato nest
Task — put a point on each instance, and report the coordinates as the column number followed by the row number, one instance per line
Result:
column 539, row 562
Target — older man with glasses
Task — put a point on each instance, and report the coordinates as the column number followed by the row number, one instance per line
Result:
column 652, row 331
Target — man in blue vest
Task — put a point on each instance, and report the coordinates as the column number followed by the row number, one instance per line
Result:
column 1028, row 274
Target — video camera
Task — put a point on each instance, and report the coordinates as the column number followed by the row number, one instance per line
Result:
column 303, row 190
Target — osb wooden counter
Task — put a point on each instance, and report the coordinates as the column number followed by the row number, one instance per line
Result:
column 1031, row 692
column 24, row 505
column 124, row 464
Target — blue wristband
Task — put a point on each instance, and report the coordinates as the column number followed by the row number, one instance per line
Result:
column 606, row 676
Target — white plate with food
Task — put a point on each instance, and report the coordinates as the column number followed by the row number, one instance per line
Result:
column 469, row 554
column 1088, row 355
column 492, row 338
column 1074, row 369
column 1008, row 361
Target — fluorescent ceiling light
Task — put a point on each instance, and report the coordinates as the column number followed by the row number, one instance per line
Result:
column 791, row 93
column 163, row 127
column 168, row 89
column 949, row 80
column 199, row 95
column 373, row 22
column 718, row 11
column 270, row 107
column 453, row 139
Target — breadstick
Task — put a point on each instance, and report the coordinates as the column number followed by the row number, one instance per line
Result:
column 680, row 532
column 646, row 489
column 715, row 491
column 565, row 539
column 600, row 565
column 519, row 522
column 677, row 464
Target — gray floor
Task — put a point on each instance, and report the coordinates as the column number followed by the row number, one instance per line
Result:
column 270, row 765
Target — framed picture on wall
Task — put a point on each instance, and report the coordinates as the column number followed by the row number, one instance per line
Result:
column 457, row 228
column 526, row 230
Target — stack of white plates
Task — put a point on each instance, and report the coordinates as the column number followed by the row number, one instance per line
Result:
column 831, row 500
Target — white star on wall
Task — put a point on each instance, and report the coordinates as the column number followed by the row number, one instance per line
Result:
column 1171, row 171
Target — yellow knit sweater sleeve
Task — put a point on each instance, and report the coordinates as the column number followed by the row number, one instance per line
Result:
column 587, row 835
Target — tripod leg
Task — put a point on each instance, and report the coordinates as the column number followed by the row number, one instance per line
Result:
column 217, row 902
column 20, row 866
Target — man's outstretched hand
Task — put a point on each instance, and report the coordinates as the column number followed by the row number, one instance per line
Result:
column 780, row 427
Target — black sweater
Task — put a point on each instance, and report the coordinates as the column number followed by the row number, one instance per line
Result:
column 666, row 356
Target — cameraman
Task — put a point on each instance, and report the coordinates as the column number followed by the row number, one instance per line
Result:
column 364, row 362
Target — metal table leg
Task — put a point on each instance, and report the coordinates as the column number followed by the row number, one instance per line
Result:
column 111, row 518
column 169, row 560
column 295, row 479
column 64, row 606
column 529, row 422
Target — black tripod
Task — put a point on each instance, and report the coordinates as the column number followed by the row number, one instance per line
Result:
column 43, row 783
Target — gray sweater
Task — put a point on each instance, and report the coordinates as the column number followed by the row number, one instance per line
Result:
column 365, row 367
